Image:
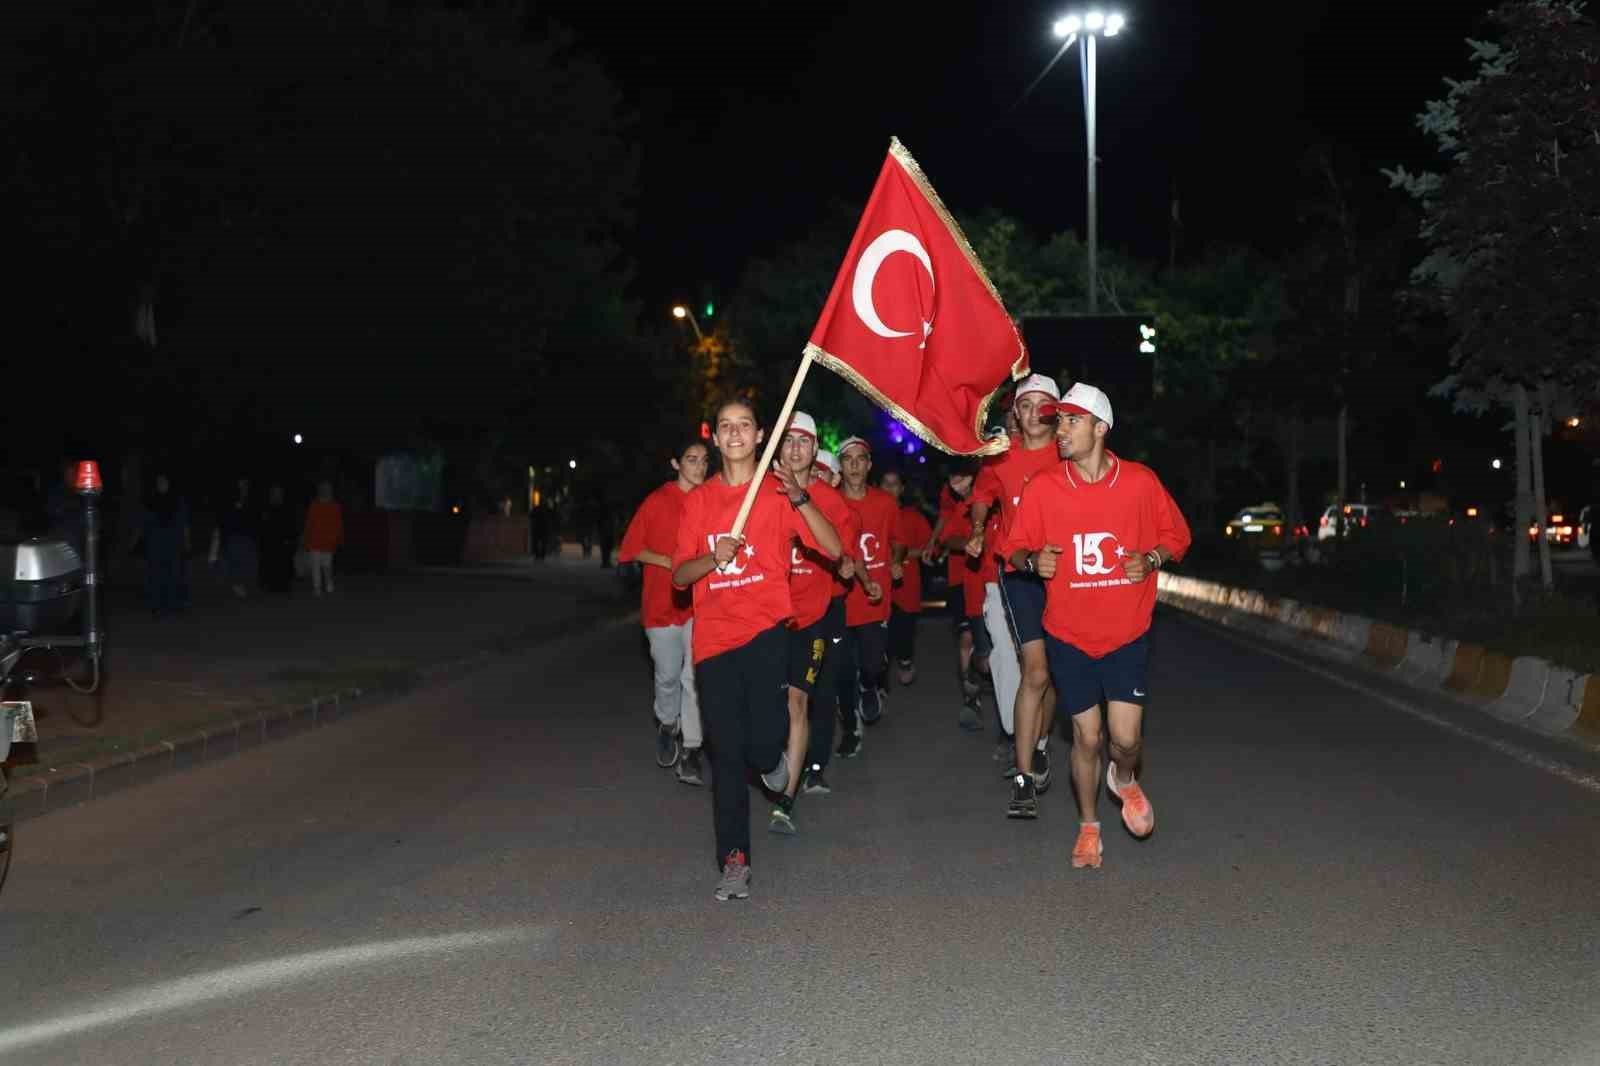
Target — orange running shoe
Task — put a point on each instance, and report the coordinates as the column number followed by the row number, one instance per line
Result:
column 1086, row 852
column 1137, row 814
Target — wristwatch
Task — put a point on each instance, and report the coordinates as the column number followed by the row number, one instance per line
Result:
column 1029, row 562
column 1153, row 558
column 805, row 498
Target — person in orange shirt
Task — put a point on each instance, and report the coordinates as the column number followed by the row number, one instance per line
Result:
column 323, row 534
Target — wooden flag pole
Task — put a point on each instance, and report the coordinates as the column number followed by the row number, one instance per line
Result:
column 772, row 446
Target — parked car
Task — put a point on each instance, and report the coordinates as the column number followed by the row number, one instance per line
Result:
column 1356, row 516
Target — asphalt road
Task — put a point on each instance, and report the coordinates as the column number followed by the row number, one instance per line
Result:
column 496, row 872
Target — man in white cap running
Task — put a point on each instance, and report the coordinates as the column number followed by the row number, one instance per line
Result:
column 818, row 622
column 1013, row 608
column 1096, row 529
column 860, row 687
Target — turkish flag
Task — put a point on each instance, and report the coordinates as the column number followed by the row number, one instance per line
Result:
column 913, row 321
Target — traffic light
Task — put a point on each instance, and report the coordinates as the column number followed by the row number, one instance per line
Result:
column 710, row 310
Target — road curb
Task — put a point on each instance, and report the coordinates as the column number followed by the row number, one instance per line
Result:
column 1528, row 692
column 76, row 783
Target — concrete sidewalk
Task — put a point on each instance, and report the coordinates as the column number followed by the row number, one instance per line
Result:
column 230, row 664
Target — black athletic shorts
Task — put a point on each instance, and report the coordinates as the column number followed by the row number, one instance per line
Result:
column 1083, row 682
column 806, row 649
column 1023, row 597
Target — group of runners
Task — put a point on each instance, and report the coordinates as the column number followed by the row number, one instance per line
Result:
column 769, row 643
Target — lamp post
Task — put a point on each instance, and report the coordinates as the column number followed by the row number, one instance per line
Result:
column 1088, row 28
column 680, row 311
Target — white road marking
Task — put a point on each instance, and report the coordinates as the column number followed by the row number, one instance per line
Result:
column 1505, row 747
column 242, row 980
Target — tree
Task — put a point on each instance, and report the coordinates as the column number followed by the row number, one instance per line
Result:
column 1511, row 227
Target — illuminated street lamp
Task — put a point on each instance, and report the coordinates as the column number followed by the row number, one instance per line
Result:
column 680, row 312
column 1495, row 464
column 298, row 439
column 1090, row 26
column 572, row 464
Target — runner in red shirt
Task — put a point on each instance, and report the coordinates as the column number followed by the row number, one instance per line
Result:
column 668, row 613
column 818, row 617
column 1014, row 602
column 742, row 608
column 911, row 533
column 951, row 532
column 823, row 707
column 1096, row 529
column 860, row 688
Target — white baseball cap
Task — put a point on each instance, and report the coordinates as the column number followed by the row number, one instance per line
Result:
column 800, row 422
column 827, row 459
column 849, row 442
column 1037, row 383
column 1084, row 400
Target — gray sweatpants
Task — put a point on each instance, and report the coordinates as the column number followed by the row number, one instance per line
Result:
column 675, row 699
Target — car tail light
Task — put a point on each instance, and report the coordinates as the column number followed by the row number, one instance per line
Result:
column 1277, row 531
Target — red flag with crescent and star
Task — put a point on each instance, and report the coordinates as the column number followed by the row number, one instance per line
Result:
column 913, row 321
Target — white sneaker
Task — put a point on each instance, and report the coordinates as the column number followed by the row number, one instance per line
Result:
column 777, row 779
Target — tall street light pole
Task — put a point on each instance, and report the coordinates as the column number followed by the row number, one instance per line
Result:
column 1088, row 28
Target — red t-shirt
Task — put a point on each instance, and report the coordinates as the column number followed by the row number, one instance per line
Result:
column 812, row 575
column 912, row 530
column 877, row 512
column 734, row 607
column 655, row 528
column 980, row 572
column 1090, row 603
column 957, row 514
column 1002, row 477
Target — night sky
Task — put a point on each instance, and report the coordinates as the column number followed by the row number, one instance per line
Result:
column 754, row 115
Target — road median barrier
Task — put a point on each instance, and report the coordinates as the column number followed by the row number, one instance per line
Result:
column 1526, row 691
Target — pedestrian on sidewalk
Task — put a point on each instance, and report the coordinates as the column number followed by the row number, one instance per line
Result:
column 911, row 533
column 817, row 625
column 667, row 614
column 741, row 610
column 539, row 530
column 234, row 540
column 1116, row 525
column 279, row 537
column 323, row 535
column 166, row 549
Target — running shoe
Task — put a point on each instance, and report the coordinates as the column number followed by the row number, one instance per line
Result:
column 1086, row 852
column 735, row 882
column 1137, row 814
column 871, row 708
column 782, row 820
column 908, row 671
column 777, row 778
column 815, row 783
column 1041, row 770
column 969, row 719
column 1024, row 798
column 849, row 745
column 688, row 768
column 666, row 744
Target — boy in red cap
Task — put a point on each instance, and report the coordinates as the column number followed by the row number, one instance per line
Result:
column 742, row 608
column 1096, row 529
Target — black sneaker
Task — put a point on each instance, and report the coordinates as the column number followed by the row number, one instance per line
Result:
column 1041, row 770
column 666, row 745
column 849, row 745
column 688, row 768
column 782, row 820
column 815, row 783
column 871, row 708
column 1024, row 798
